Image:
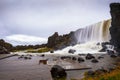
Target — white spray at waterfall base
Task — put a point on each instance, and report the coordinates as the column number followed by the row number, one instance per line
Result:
column 85, row 48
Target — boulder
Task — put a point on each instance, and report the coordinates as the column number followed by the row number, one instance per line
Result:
column 110, row 52
column 100, row 71
column 22, row 56
column 80, row 59
column 94, row 60
column 74, row 58
column 65, row 57
column 26, row 57
column 43, row 55
column 100, row 57
column 104, row 46
column 89, row 56
column 43, row 61
column 72, row 51
column 51, row 51
column 58, row 72
column 81, row 54
column 113, row 55
column 90, row 73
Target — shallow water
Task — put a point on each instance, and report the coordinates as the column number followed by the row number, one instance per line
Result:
column 19, row 69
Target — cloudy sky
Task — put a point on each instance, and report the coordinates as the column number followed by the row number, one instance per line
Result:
column 32, row 21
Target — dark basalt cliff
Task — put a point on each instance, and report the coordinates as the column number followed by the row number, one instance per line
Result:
column 115, row 25
column 57, row 41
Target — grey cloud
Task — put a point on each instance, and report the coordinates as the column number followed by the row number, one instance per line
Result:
column 44, row 17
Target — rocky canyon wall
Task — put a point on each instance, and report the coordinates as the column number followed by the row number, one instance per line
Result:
column 115, row 25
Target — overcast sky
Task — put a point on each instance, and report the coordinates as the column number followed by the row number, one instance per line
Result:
column 39, row 19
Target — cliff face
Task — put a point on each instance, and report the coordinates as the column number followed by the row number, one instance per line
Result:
column 57, row 41
column 115, row 25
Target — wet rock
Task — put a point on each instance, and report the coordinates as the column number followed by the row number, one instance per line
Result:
column 100, row 71
column 74, row 58
column 94, row 61
column 90, row 73
column 81, row 54
column 22, row 56
column 51, row 51
column 29, row 55
column 43, row 61
column 80, row 59
column 100, row 57
column 104, row 46
column 110, row 52
column 43, row 55
column 72, row 51
column 66, row 57
column 113, row 55
column 89, row 56
column 58, row 72
column 26, row 57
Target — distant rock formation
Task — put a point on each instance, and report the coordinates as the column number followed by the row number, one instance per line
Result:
column 5, row 47
column 57, row 41
column 115, row 25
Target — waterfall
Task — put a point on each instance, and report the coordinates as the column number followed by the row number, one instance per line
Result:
column 88, row 38
column 98, row 32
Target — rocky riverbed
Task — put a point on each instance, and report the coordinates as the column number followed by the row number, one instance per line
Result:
column 13, row 68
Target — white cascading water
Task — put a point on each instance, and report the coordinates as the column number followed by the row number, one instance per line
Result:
column 88, row 37
column 98, row 32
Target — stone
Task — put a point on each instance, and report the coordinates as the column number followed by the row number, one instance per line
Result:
column 80, row 59
column 43, row 55
column 51, row 51
column 81, row 54
column 72, row 51
column 94, row 60
column 58, row 72
column 43, row 61
column 100, row 71
column 100, row 57
column 90, row 73
column 104, row 46
column 113, row 55
column 89, row 56
column 65, row 57
column 74, row 58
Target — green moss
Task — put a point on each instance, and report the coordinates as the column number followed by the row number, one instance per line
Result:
column 40, row 50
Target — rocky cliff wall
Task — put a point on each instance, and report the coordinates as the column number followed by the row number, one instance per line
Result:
column 115, row 25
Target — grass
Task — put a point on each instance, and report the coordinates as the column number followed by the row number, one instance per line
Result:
column 40, row 50
column 113, row 75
